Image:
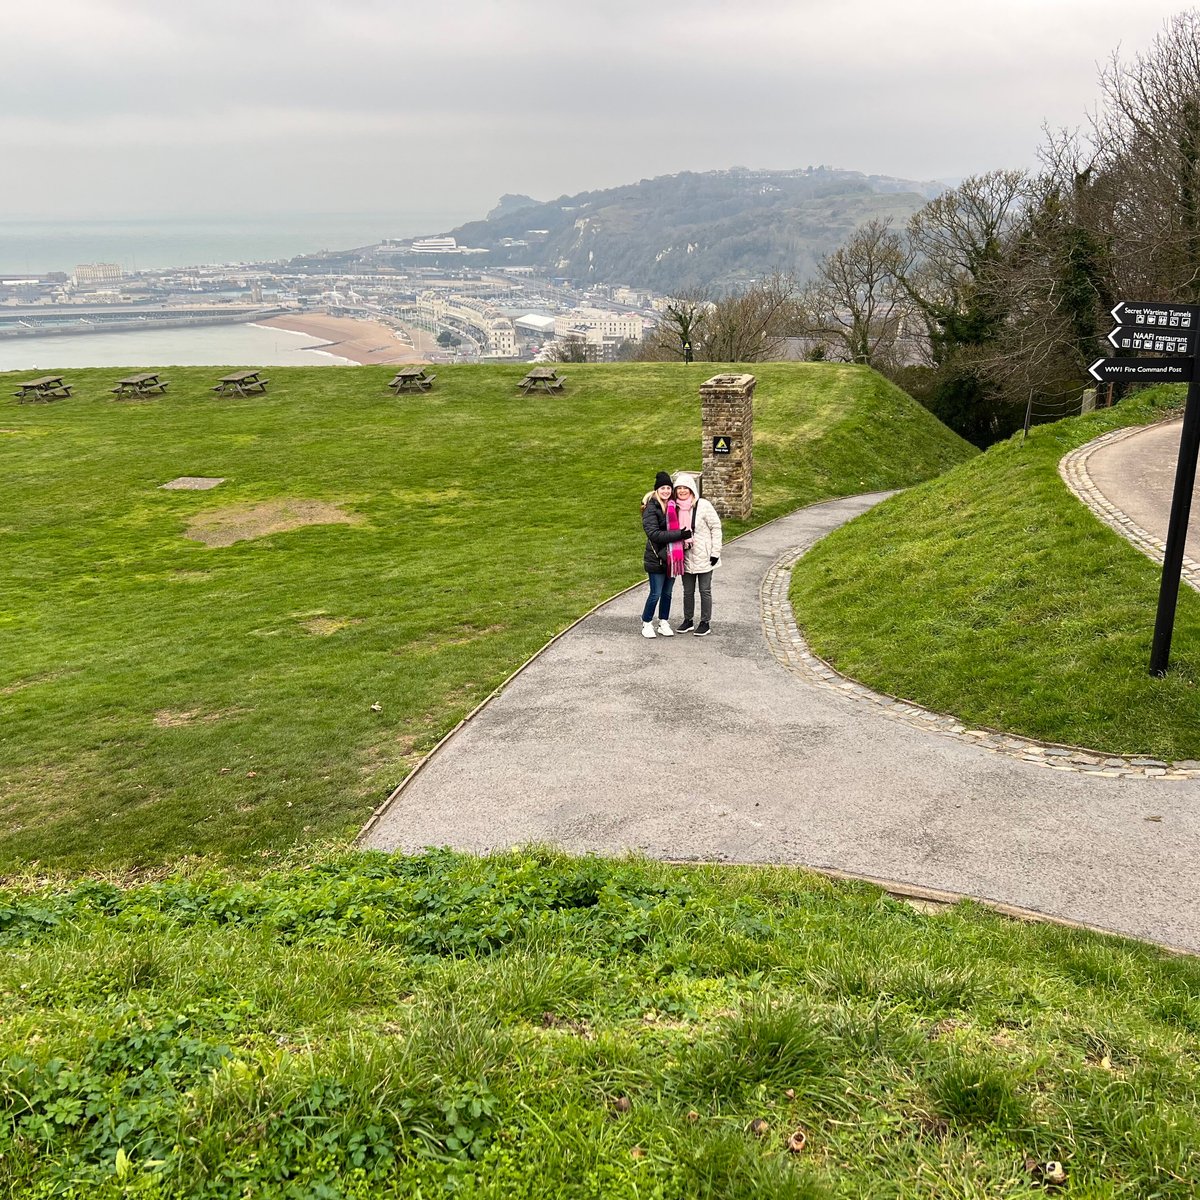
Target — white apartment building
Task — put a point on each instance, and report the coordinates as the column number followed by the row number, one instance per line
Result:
column 88, row 273
column 607, row 326
column 435, row 245
column 490, row 326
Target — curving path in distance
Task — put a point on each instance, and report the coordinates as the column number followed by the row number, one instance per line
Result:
column 1136, row 474
column 711, row 749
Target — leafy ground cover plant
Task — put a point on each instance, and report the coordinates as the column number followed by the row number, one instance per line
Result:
column 531, row 1025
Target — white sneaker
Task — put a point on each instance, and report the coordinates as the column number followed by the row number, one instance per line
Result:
column 647, row 629
column 664, row 630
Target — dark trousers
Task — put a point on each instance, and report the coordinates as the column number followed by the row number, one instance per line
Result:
column 689, row 596
column 660, row 597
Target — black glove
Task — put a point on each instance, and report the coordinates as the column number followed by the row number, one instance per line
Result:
column 712, row 562
column 684, row 534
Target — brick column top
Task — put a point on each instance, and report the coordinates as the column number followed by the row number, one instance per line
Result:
column 729, row 383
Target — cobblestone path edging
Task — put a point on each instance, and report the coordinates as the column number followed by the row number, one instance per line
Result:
column 789, row 647
column 1073, row 469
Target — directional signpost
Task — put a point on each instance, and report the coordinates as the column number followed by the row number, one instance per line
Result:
column 1142, row 370
column 1163, row 341
column 1156, row 316
column 1164, row 329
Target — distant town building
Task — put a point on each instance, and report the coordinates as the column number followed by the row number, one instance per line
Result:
column 435, row 245
column 535, row 324
column 627, row 295
column 89, row 273
column 475, row 318
column 604, row 330
column 601, row 332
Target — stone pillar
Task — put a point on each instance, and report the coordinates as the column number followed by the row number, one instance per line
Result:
column 727, row 421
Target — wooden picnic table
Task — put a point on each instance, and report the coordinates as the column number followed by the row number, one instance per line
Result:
column 411, row 379
column 140, row 385
column 242, row 383
column 546, row 379
column 48, row 387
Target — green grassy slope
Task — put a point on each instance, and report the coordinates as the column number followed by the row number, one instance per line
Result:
column 530, row 1026
column 993, row 594
column 160, row 697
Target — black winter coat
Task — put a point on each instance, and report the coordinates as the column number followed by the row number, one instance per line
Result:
column 658, row 537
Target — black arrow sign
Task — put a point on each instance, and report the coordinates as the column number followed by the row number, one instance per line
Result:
column 1156, row 316
column 1141, row 370
column 1163, row 341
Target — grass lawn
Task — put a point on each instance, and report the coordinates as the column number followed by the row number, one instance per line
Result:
column 161, row 697
column 992, row 593
column 529, row 1025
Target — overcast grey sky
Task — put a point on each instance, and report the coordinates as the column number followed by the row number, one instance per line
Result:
column 134, row 107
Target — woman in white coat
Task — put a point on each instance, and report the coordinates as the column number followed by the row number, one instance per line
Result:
column 701, row 554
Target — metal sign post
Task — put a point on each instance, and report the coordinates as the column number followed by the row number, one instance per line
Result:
column 1181, row 507
column 1164, row 329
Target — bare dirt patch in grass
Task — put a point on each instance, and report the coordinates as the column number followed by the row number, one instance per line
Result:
column 19, row 685
column 326, row 626
column 191, row 483
column 457, row 635
column 166, row 718
column 241, row 522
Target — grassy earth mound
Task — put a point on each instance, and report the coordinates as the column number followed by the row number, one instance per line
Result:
column 992, row 593
column 160, row 696
column 534, row 1026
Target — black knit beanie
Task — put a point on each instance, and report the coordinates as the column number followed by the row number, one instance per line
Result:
column 662, row 479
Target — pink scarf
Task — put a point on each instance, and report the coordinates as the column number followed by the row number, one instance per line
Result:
column 674, row 549
column 686, row 519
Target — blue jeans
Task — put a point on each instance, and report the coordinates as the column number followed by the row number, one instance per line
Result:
column 660, row 596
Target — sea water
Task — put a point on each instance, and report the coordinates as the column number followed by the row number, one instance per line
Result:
column 32, row 247
column 192, row 346
column 35, row 247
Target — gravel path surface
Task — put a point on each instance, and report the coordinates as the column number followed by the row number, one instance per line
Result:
column 711, row 749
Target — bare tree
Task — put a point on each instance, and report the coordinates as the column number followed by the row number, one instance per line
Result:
column 959, row 243
column 1148, row 136
column 1055, row 281
column 858, row 307
column 1115, row 213
column 956, row 241
column 571, row 349
column 750, row 325
column 677, row 335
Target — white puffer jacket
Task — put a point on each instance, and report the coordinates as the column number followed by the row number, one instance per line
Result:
column 706, row 544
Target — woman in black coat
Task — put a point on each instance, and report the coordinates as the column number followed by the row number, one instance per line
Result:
column 659, row 536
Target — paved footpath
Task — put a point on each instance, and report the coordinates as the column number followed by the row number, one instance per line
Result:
column 712, row 749
column 1137, row 475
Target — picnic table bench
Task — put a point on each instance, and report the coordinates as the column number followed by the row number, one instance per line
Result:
column 140, row 385
column 242, row 383
column 411, row 379
column 545, row 379
column 48, row 387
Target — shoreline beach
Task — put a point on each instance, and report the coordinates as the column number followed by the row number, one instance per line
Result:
column 364, row 342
